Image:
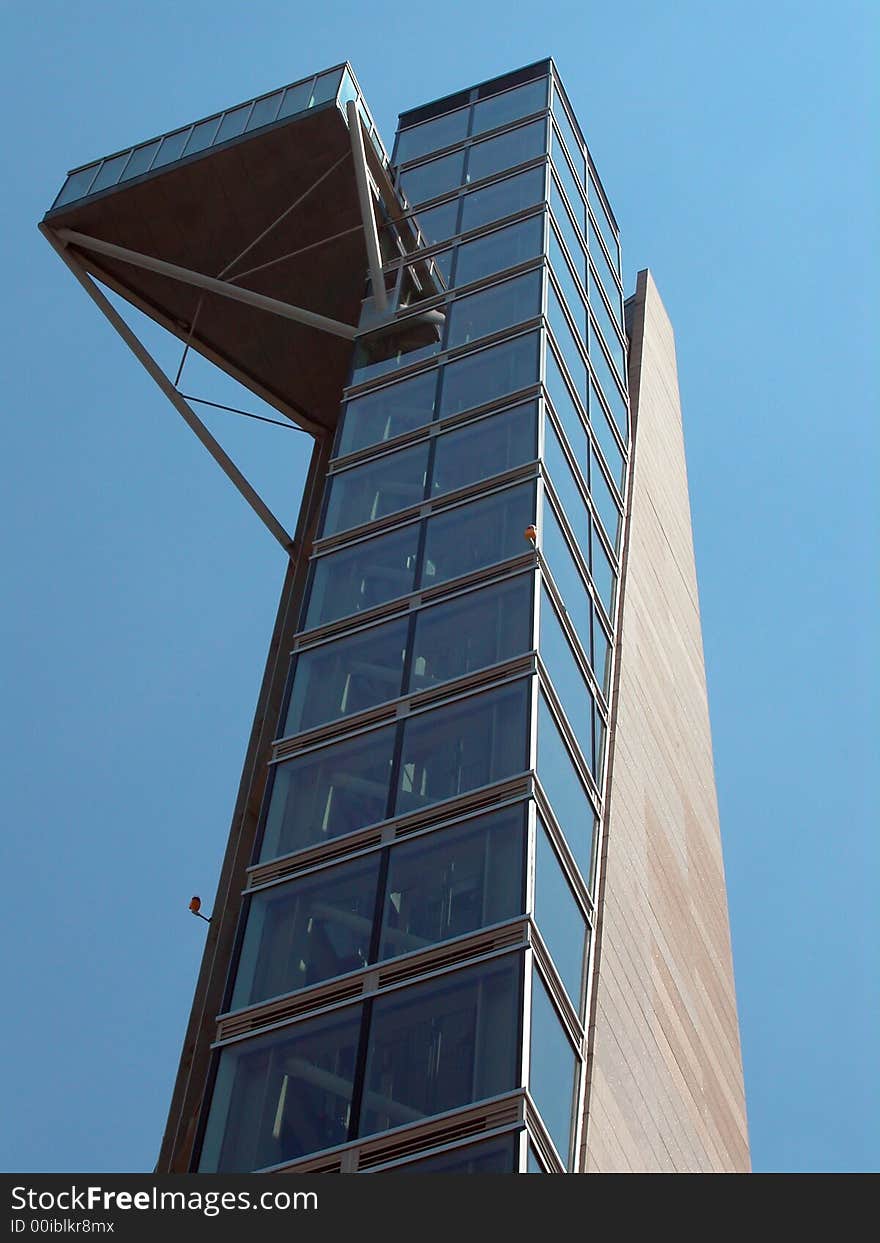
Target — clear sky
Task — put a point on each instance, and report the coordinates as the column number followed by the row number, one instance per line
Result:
column 738, row 146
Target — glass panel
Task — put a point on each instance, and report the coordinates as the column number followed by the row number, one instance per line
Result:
column 388, row 412
column 171, row 148
column 607, row 383
column 310, row 930
column 533, row 1164
column 347, row 675
column 296, row 99
column 601, row 426
column 335, row 790
column 442, row 1044
column 568, row 681
column 489, row 374
column 265, row 111
column 452, row 882
column 567, row 342
column 438, row 223
column 507, row 150
column 597, row 254
column 603, row 500
column 472, row 632
column 504, row 248
column 510, row 106
column 503, row 198
column 389, row 350
column 462, row 747
column 347, row 91
column 561, row 476
column 202, row 135
column 606, row 228
column 566, row 576
column 603, row 575
column 601, row 654
column 141, row 159
column 565, row 790
column 282, row 1096
column 569, row 184
column 490, row 310
column 478, row 534
column 426, row 181
column 606, row 326
column 110, row 172
column 360, row 577
column 574, row 299
column 552, row 1068
column 559, row 918
column 76, row 185
column 431, row 136
column 325, row 87
column 572, row 142
column 426, row 278
column 492, row 1156
column 576, row 251
column 375, row 489
column 567, row 411
column 485, row 448
column 233, row 123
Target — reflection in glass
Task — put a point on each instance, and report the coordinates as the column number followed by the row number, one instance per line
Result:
column 562, row 477
column 490, row 310
column 282, row 1096
column 574, row 300
column 565, row 339
column 552, row 1067
column 307, row 931
column 325, row 88
column 438, row 223
column 472, row 632
column 325, row 793
column 502, row 198
column 506, row 150
column 562, row 217
column 489, row 374
column 171, row 148
column 140, row 161
column 233, row 123
column 609, row 234
column 202, row 135
column 494, row 252
column 296, row 99
column 572, row 142
column 77, row 184
column 597, row 254
column 606, row 326
column 607, row 382
column 568, row 181
column 559, row 918
column 601, row 654
column 522, row 101
column 477, row 534
column 388, row 412
column 533, row 1164
column 487, row 447
column 604, row 501
column 601, row 425
column 603, row 574
column 453, row 881
column 566, row 410
column 566, row 576
column 568, row 681
column 446, row 1043
column 374, row 489
column 431, row 136
column 265, row 111
column 563, row 787
column 426, row 181
column 492, row 1156
column 462, row 747
column 362, row 576
column 111, row 171
column 346, row 675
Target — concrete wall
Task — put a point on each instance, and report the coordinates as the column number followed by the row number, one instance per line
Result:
column 665, row 1086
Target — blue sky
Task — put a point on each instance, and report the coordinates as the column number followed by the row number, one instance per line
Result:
column 738, row 146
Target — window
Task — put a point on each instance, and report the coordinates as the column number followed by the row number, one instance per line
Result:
column 483, row 532
column 568, row 681
column 111, row 171
column 346, row 675
column 427, row 181
column 597, row 254
column 606, row 326
column 431, row 136
column 606, row 228
column 492, row 1156
column 510, row 106
column 489, row 374
column 604, row 577
column 566, row 410
column 328, row 792
column 552, row 1069
column 388, row 412
column 559, row 918
column 567, row 231
column 574, row 299
column 472, row 632
column 563, row 787
column 572, row 142
column 568, row 181
column 508, row 149
column 565, row 485
column 566, row 576
column 453, row 881
column 565, row 339
column 502, row 198
column 307, row 931
column 438, row 223
column 463, row 746
column 265, row 111
column 487, row 447
column 362, row 576
column 280, row 1097
column 494, row 252
column 499, row 306
column 607, row 382
column 140, row 161
column 601, row 654
column 446, row 1043
column 382, row 486
column 601, row 425
column 604, row 501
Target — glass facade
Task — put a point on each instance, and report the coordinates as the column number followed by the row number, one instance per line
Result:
column 416, row 931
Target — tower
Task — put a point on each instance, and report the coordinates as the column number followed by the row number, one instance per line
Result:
column 472, row 911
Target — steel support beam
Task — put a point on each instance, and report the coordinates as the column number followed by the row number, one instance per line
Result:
column 374, row 256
